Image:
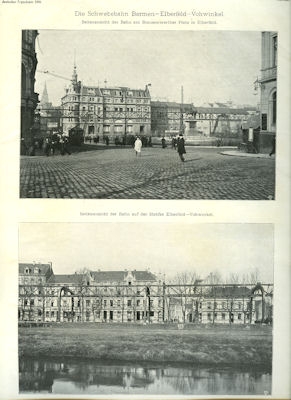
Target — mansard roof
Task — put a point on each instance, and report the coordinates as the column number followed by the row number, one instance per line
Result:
column 173, row 104
column 228, row 292
column 119, row 276
column 102, row 277
column 43, row 269
column 91, row 90
column 135, row 92
column 66, row 278
column 221, row 110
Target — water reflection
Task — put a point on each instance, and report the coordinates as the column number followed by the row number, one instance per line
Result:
column 88, row 377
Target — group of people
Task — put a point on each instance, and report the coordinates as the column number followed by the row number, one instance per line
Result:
column 56, row 142
column 179, row 144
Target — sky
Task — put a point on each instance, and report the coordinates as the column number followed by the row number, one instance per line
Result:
column 166, row 248
column 210, row 65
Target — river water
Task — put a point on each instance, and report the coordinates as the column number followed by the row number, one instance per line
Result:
column 89, row 377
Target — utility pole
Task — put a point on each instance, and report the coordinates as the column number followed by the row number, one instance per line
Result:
column 149, row 303
column 164, row 294
column 181, row 111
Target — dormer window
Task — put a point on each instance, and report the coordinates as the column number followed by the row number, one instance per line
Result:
column 129, row 283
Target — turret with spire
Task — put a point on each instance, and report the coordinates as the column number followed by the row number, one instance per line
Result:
column 76, row 85
column 75, row 75
column 44, row 98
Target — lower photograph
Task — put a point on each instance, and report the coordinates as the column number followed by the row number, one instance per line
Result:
column 145, row 309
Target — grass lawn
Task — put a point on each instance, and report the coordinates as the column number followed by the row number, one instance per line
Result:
column 216, row 345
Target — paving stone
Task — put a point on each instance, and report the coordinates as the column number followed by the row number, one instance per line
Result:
column 157, row 174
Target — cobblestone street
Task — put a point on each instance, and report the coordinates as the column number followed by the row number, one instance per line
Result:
column 116, row 173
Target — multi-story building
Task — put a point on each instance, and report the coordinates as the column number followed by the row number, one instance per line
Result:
column 33, row 278
column 136, row 297
column 106, row 111
column 29, row 98
column 268, row 88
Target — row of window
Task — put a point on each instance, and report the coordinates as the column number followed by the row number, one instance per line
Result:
column 97, row 314
column 36, row 270
column 96, row 302
column 120, row 93
column 222, row 305
column 33, row 281
column 211, row 316
column 107, row 99
column 115, row 109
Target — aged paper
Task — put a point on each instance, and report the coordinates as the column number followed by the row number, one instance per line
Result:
column 258, row 16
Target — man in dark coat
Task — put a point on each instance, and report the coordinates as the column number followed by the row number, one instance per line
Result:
column 273, row 146
column 181, row 147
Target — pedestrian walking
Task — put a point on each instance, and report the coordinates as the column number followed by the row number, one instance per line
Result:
column 164, row 145
column 174, row 141
column 47, row 146
column 137, row 146
column 181, row 147
column 273, row 146
column 64, row 145
column 23, row 148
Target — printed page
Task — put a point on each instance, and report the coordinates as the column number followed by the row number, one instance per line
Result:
column 145, row 190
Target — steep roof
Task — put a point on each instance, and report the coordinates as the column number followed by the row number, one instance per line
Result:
column 68, row 278
column 157, row 103
column 118, row 276
column 43, row 269
column 91, row 90
column 228, row 291
column 221, row 110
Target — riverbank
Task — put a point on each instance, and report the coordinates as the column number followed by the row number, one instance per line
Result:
column 200, row 345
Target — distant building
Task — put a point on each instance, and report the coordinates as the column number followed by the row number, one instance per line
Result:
column 106, row 111
column 268, row 89
column 220, row 121
column 133, row 296
column 49, row 116
column 171, row 118
column 29, row 98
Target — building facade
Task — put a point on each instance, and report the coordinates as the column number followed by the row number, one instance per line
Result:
column 133, row 296
column 114, row 112
column 217, row 120
column 49, row 116
column 268, row 89
column 171, row 118
column 29, row 99
column 220, row 121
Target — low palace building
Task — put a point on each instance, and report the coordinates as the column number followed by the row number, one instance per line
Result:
column 135, row 296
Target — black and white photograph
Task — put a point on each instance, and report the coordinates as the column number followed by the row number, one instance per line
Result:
column 162, row 309
column 148, row 114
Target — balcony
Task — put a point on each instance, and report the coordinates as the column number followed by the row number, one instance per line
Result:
column 268, row 74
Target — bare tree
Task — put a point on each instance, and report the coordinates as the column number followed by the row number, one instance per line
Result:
column 183, row 290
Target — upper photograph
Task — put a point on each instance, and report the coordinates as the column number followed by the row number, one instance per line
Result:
column 169, row 115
